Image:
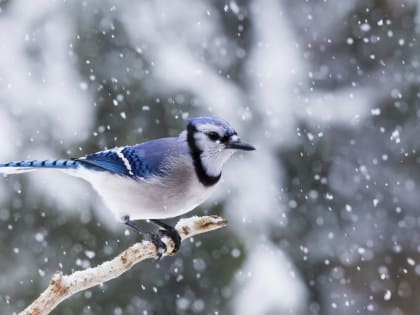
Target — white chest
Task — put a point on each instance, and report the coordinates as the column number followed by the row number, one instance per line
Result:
column 154, row 198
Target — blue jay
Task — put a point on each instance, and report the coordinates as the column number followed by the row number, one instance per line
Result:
column 157, row 179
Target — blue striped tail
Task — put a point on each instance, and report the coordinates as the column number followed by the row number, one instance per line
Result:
column 26, row 166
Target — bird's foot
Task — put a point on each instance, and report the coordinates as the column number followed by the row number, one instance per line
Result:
column 156, row 239
column 173, row 234
column 169, row 231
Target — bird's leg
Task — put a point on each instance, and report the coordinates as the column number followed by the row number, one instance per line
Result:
column 171, row 232
column 153, row 237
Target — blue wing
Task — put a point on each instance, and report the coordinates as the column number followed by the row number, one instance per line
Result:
column 138, row 161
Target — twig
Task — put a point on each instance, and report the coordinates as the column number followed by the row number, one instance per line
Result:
column 64, row 286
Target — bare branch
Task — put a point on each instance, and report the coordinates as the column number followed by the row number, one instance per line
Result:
column 64, row 286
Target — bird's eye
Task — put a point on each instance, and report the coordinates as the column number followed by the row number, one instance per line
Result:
column 213, row 136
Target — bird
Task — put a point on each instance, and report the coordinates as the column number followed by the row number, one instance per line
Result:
column 154, row 180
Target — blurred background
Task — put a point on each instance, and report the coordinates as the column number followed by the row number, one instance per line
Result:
column 324, row 216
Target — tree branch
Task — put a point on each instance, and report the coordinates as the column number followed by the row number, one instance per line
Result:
column 64, row 286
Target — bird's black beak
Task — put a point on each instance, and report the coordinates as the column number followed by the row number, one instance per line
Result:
column 237, row 144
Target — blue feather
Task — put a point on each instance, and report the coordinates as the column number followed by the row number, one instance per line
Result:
column 155, row 154
column 212, row 121
column 138, row 161
column 105, row 161
column 42, row 164
column 26, row 166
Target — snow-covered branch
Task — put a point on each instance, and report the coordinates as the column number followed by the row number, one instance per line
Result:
column 64, row 286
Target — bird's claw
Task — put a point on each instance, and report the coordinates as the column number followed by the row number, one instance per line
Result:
column 156, row 239
column 174, row 236
column 161, row 248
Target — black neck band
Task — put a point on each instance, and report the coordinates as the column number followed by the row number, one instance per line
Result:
column 203, row 177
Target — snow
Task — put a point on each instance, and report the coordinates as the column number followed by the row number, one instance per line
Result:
column 323, row 216
column 268, row 271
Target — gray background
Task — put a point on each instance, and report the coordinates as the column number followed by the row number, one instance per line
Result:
column 324, row 216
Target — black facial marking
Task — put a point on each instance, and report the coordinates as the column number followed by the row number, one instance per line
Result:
column 213, row 136
column 203, row 177
column 225, row 138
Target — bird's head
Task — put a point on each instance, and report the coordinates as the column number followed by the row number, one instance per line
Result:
column 213, row 140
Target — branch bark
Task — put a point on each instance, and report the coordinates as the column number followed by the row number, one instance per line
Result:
column 64, row 286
